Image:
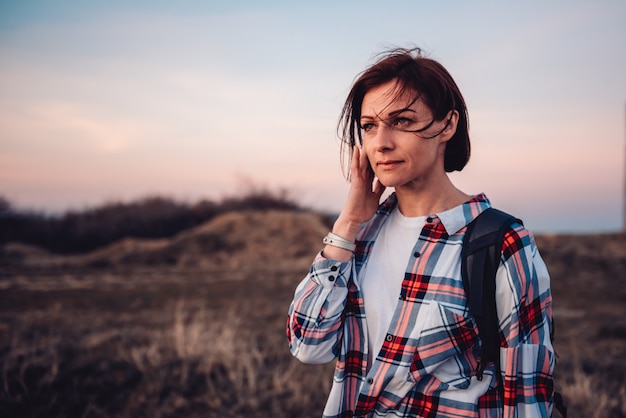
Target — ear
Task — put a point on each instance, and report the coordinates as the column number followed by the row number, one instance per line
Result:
column 450, row 130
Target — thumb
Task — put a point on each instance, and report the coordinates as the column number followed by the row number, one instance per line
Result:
column 378, row 189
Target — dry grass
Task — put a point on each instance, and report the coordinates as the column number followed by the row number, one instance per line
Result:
column 589, row 395
column 185, row 358
column 205, row 338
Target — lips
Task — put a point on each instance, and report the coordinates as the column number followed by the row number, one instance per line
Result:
column 388, row 164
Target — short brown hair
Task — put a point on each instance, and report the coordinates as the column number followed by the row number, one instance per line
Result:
column 429, row 81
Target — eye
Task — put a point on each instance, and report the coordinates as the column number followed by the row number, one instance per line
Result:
column 402, row 123
column 367, row 127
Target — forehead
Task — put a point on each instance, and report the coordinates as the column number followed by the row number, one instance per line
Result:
column 390, row 97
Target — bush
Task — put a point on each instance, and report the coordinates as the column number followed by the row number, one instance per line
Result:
column 152, row 217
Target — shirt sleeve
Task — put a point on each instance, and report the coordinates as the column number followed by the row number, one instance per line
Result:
column 314, row 325
column 524, row 304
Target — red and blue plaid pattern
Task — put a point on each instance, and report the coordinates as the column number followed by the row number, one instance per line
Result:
column 426, row 365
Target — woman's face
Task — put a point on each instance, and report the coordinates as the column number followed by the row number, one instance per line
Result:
column 398, row 157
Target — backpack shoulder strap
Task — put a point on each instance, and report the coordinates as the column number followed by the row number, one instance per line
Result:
column 480, row 258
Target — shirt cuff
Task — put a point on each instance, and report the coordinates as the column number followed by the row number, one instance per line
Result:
column 330, row 273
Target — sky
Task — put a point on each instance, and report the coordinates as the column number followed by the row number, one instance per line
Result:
column 106, row 101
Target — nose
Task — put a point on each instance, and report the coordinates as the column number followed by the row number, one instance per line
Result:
column 383, row 139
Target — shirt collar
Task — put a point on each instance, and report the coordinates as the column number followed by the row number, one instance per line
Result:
column 454, row 219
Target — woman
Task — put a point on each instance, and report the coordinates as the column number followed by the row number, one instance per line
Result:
column 385, row 295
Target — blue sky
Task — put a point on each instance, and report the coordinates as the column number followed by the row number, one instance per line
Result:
column 111, row 100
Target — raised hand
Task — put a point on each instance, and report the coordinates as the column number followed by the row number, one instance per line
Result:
column 365, row 191
column 361, row 204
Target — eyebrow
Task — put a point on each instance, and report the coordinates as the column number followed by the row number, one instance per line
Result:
column 397, row 112
column 391, row 114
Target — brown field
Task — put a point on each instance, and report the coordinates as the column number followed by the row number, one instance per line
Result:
column 194, row 326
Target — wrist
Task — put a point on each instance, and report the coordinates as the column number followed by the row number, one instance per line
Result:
column 337, row 241
column 346, row 228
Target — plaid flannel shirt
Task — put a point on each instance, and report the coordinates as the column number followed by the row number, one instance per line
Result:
column 427, row 364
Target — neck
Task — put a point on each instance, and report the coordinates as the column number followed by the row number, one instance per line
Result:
column 420, row 201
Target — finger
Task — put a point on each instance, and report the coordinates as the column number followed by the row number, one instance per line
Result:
column 364, row 161
column 366, row 167
column 356, row 156
column 360, row 165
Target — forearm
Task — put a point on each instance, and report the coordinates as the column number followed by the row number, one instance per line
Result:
column 315, row 315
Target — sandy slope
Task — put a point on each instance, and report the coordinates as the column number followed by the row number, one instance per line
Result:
column 233, row 240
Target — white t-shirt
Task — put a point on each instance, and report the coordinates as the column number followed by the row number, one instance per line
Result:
column 382, row 278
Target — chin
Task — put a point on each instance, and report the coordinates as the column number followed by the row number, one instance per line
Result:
column 389, row 182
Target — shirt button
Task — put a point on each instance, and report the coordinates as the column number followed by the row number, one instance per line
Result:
column 429, row 219
column 389, row 337
column 331, row 278
column 333, row 268
column 370, row 380
column 416, row 254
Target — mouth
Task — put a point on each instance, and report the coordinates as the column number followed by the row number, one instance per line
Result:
column 389, row 164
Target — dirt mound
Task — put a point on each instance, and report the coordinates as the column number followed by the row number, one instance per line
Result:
column 16, row 252
column 260, row 239
column 240, row 239
column 254, row 238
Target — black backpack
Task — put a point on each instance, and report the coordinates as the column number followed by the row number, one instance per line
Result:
column 480, row 258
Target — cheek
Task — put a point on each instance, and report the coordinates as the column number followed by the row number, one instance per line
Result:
column 371, row 167
column 369, row 152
